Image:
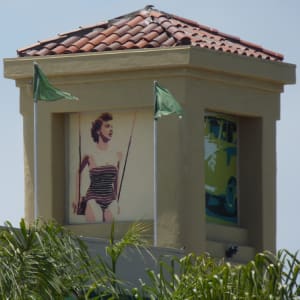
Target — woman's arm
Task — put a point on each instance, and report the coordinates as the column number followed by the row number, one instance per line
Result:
column 84, row 162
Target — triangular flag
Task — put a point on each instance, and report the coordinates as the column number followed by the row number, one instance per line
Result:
column 165, row 103
column 43, row 90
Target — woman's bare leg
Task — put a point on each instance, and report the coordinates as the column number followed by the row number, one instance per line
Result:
column 107, row 215
column 89, row 214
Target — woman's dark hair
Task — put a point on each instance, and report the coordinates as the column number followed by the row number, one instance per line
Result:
column 96, row 125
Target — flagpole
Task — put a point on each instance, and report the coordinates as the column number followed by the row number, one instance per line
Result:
column 164, row 104
column 154, row 173
column 42, row 90
column 35, row 154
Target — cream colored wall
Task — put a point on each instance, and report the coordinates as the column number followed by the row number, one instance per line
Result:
column 258, row 110
column 201, row 80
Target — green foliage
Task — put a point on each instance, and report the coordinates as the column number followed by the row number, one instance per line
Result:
column 40, row 261
column 268, row 276
column 45, row 261
column 106, row 282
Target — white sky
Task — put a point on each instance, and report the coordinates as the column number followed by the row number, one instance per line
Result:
column 274, row 24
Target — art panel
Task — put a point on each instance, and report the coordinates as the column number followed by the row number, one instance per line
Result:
column 221, row 159
column 110, row 166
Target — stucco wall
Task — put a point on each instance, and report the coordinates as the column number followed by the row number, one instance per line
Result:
column 201, row 80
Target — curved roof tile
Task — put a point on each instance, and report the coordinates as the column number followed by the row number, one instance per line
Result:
column 146, row 28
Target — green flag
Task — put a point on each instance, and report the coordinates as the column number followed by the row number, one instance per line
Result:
column 43, row 90
column 165, row 103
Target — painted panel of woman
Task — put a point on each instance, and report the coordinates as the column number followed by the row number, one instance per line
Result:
column 104, row 167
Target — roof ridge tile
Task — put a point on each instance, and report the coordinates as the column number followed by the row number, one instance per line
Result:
column 135, row 21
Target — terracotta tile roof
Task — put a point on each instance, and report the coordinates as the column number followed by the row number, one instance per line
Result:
column 146, row 28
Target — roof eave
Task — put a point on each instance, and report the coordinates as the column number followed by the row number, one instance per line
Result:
column 154, row 58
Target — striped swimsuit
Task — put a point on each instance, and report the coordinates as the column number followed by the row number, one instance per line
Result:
column 103, row 185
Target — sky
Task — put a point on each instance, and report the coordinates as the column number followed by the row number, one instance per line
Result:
column 273, row 24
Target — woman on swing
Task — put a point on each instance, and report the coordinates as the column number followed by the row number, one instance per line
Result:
column 104, row 166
